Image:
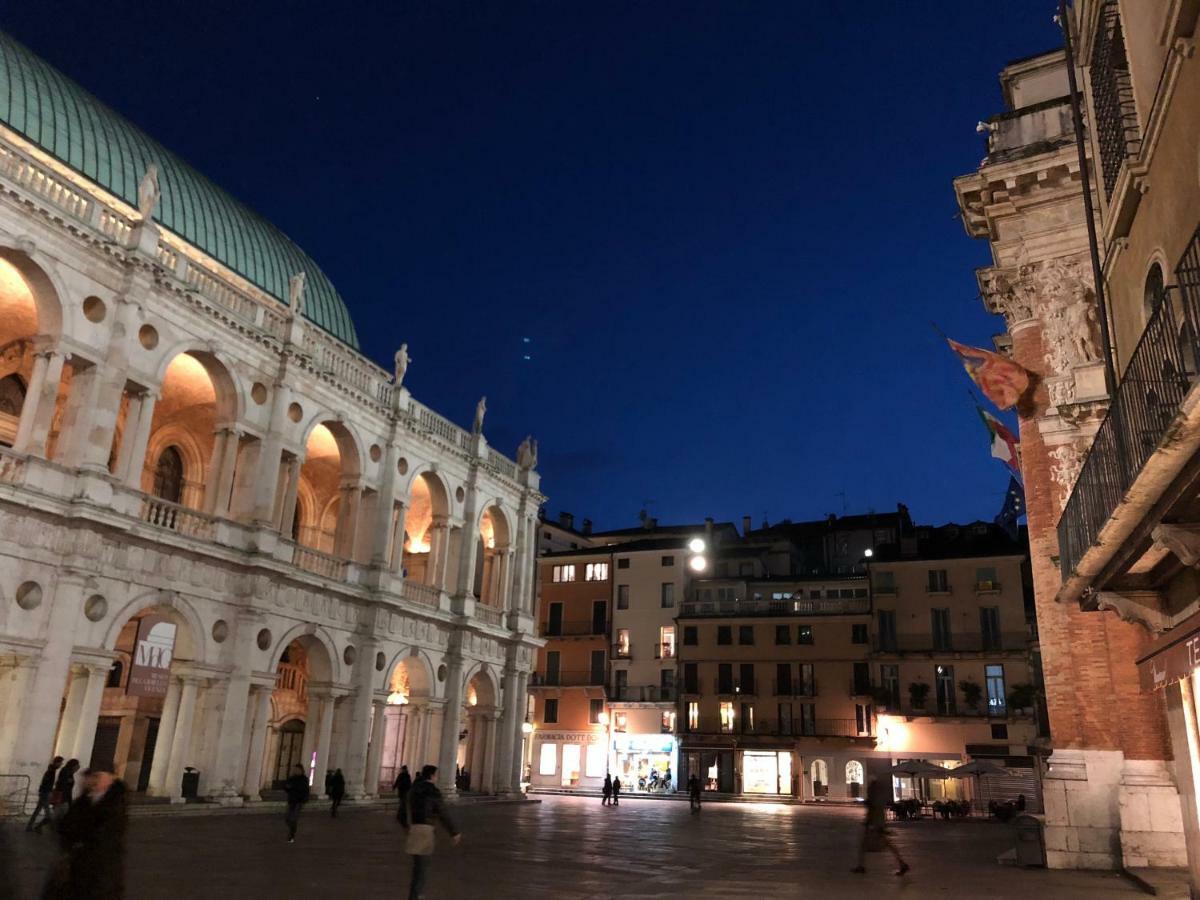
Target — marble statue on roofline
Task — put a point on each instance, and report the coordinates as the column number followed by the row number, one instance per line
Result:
column 148, row 193
column 480, row 412
column 401, row 360
column 527, row 453
column 296, row 293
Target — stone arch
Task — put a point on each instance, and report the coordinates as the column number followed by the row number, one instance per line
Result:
column 426, row 498
column 420, row 674
column 494, row 536
column 324, row 663
column 27, row 300
column 189, row 450
column 189, row 639
column 350, row 446
column 230, row 404
column 43, row 285
column 485, row 684
column 330, row 471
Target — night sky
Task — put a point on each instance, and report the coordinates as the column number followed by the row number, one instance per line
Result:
column 695, row 248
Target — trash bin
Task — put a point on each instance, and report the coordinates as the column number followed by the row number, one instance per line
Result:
column 191, row 782
column 1031, row 841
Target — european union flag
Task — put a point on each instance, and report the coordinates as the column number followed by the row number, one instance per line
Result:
column 1013, row 509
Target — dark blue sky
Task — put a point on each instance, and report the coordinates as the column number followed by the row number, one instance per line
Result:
column 723, row 227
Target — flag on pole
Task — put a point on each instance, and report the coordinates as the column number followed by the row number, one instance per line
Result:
column 1001, row 380
column 1013, row 509
column 1005, row 446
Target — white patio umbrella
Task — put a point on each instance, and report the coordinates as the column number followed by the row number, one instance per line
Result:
column 918, row 768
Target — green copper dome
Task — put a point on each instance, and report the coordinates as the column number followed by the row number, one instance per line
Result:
column 70, row 124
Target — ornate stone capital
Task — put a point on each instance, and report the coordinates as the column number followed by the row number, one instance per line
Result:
column 1182, row 540
column 1134, row 607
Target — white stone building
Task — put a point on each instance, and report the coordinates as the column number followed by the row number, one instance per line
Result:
column 190, row 438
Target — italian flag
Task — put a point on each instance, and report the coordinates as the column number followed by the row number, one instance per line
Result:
column 1005, row 446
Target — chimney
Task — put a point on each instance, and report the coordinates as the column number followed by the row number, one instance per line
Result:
column 587, row 526
column 747, row 525
column 708, row 531
column 566, row 520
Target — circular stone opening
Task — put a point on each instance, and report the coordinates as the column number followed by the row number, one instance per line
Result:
column 295, row 412
column 264, row 639
column 220, row 631
column 94, row 309
column 375, row 452
column 460, row 494
column 258, row 393
column 148, row 335
column 349, row 655
column 95, row 608
column 380, row 661
column 29, row 595
column 441, row 673
column 402, row 466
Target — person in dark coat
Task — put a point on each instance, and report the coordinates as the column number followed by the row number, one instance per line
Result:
column 402, row 786
column 64, row 787
column 45, row 793
column 694, row 789
column 337, row 790
column 606, row 791
column 616, row 791
column 875, row 835
column 427, row 808
column 92, row 834
column 296, row 788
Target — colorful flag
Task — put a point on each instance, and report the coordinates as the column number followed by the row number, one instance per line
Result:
column 1013, row 509
column 1005, row 446
column 1001, row 380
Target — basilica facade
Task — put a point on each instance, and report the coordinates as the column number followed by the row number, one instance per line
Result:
column 230, row 544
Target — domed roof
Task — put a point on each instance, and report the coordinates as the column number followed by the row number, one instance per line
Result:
column 71, row 125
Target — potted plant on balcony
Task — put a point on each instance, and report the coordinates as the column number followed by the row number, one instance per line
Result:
column 1022, row 698
column 917, row 692
column 972, row 694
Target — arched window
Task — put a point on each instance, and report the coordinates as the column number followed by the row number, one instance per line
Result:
column 168, row 475
column 1155, row 291
column 854, row 772
column 114, row 674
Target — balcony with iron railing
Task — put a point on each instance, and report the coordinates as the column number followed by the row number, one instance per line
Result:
column 840, row 606
column 1144, row 410
column 575, row 628
column 794, row 728
column 794, row 688
column 1118, row 137
column 642, row 693
column 1004, row 642
column 567, row 678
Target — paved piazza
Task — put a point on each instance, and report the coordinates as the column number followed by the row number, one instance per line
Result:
column 572, row 847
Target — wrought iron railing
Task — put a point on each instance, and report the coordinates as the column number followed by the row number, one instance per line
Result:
column 1117, row 134
column 567, row 678
column 1145, row 403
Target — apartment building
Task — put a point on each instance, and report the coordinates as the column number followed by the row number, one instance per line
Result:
column 569, row 737
column 775, row 686
column 953, row 649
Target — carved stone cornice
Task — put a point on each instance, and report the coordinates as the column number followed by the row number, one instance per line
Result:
column 1135, row 607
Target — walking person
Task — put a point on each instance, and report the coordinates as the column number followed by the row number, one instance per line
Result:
column 402, row 786
column 64, row 788
column 427, row 808
column 296, row 788
column 875, row 834
column 337, row 790
column 606, row 790
column 45, row 804
column 616, row 791
column 92, row 834
column 694, row 788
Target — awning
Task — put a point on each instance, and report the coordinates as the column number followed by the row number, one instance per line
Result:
column 1174, row 656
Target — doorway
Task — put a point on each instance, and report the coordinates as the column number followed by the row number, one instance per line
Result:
column 291, row 743
column 143, row 782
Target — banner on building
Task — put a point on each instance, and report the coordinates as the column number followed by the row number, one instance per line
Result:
column 150, row 668
column 1175, row 656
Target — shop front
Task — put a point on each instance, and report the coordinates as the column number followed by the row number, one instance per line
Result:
column 572, row 760
column 647, row 763
column 712, row 765
column 767, row 772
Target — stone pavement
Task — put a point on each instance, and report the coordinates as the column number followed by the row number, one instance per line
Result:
column 568, row 847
